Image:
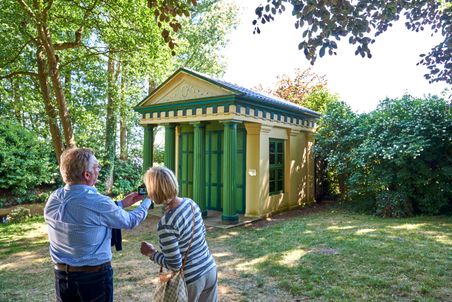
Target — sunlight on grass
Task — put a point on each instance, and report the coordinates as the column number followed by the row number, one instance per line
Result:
column 221, row 254
column 364, row 231
column 291, row 258
column 408, row 226
column 228, row 235
column 348, row 227
column 443, row 239
column 22, row 260
column 249, row 266
column 40, row 231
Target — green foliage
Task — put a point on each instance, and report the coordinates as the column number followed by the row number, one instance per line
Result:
column 204, row 35
column 26, row 161
column 127, row 177
column 325, row 22
column 19, row 214
column 398, row 157
column 319, row 99
column 306, row 89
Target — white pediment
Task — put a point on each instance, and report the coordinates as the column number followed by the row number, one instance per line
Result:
column 185, row 86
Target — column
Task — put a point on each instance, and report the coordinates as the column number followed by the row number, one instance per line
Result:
column 170, row 146
column 148, row 147
column 199, row 159
column 229, row 172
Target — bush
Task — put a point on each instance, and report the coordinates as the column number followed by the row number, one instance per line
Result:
column 393, row 204
column 19, row 214
column 25, row 160
column 398, row 157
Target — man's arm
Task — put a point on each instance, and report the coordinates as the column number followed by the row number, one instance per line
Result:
column 113, row 216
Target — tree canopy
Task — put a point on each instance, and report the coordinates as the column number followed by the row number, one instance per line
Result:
column 306, row 88
column 71, row 71
column 323, row 22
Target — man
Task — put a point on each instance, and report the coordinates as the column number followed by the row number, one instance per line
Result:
column 79, row 222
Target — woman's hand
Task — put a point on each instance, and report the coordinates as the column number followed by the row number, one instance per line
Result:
column 131, row 199
column 147, row 249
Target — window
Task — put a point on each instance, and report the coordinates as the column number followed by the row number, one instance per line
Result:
column 276, row 153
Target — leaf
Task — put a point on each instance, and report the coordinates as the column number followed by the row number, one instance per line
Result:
column 322, row 51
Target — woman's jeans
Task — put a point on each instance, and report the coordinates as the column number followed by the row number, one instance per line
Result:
column 84, row 286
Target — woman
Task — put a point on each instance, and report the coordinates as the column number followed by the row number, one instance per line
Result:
column 175, row 231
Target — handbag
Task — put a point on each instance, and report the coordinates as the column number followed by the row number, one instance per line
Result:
column 171, row 286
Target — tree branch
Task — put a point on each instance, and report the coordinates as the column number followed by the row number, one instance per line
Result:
column 74, row 44
column 19, row 73
column 27, row 9
column 45, row 12
column 78, row 33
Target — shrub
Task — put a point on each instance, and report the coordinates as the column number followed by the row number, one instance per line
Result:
column 19, row 214
column 398, row 157
column 25, row 160
column 393, row 204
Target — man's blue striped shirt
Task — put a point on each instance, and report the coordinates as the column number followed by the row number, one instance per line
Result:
column 79, row 223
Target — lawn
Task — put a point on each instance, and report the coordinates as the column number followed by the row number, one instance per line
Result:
column 327, row 255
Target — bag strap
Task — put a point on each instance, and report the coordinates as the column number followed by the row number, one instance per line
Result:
column 192, row 236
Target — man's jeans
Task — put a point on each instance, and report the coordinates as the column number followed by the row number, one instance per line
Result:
column 84, row 286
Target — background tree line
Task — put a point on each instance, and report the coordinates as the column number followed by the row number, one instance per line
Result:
column 71, row 72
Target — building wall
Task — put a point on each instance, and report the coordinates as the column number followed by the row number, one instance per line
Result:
column 298, row 169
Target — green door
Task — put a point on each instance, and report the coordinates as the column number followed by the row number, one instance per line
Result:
column 186, row 140
column 214, row 156
column 214, row 170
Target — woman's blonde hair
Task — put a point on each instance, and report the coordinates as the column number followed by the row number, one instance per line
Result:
column 161, row 184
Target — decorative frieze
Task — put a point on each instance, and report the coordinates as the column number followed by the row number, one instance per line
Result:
column 240, row 110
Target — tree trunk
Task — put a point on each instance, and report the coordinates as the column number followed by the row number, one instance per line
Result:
column 123, row 152
column 110, row 135
column 16, row 101
column 49, row 107
column 342, row 178
column 54, row 72
column 152, row 85
column 68, row 86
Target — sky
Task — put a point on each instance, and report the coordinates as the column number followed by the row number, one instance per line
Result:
column 361, row 82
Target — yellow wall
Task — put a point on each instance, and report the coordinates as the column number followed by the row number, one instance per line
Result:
column 299, row 169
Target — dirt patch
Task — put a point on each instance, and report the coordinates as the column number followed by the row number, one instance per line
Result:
column 317, row 207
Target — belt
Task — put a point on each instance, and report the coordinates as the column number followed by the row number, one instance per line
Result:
column 73, row 269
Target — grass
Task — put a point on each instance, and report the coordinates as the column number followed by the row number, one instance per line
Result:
column 333, row 255
column 340, row 256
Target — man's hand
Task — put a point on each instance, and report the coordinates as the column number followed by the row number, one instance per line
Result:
column 147, row 249
column 131, row 199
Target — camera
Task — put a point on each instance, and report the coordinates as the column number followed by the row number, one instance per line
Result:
column 142, row 190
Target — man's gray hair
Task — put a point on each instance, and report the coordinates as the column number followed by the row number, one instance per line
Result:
column 74, row 162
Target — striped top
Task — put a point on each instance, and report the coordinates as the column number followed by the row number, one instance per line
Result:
column 175, row 231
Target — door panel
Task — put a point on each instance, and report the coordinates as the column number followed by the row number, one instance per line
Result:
column 214, row 170
column 186, row 140
column 214, row 156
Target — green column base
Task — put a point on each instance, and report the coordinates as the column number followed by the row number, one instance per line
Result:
column 204, row 213
column 230, row 218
